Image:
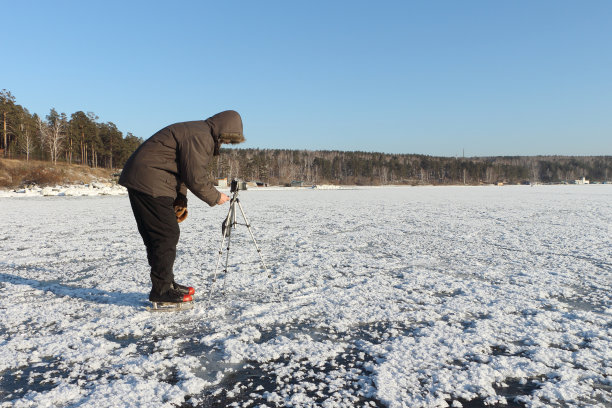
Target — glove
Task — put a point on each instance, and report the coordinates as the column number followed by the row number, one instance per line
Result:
column 180, row 208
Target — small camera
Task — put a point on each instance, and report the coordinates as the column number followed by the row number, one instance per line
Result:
column 237, row 185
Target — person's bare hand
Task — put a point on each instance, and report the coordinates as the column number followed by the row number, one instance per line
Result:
column 224, row 198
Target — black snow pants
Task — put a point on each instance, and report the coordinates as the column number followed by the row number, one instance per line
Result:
column 160, row 232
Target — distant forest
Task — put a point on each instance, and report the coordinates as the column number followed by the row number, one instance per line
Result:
column 278, row 167
column 81, row 139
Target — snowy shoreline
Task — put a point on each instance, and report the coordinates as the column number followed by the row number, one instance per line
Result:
column 78, row 190
column 112, row 189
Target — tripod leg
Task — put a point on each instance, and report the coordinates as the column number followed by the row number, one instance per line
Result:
column 276, row 289
column 263, row 263
column 231, row 223
column 225, row 271
column 226, row 233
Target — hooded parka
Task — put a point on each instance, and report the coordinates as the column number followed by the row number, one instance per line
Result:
column 175, row 158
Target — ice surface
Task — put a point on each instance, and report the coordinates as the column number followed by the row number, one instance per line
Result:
column 399, row 297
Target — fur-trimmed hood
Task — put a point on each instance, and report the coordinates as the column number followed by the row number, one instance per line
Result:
column 226, row 128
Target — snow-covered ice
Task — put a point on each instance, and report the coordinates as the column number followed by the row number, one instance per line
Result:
column 399, row 297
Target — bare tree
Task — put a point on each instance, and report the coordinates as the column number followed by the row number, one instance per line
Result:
column 25, row 140
column 52, row 133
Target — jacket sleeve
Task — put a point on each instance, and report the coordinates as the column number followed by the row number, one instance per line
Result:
column 182, row 190
column 194, row 154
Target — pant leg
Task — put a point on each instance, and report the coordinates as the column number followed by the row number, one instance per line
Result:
column 160, row 233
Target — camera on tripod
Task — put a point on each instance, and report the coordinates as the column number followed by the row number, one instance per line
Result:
column 237, row 185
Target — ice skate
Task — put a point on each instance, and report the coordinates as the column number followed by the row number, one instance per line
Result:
column 171, row 300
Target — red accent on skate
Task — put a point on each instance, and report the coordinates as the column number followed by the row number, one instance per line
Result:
column 187, row 298
column 191, row 290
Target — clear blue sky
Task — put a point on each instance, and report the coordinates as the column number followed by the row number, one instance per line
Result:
column 429, row 77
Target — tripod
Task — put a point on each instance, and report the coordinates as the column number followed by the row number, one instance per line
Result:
column 229, row 223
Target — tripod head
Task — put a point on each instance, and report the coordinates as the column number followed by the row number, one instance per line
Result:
column 230, row 220
column 237, row 185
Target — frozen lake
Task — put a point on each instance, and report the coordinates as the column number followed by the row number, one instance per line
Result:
column 399, row 297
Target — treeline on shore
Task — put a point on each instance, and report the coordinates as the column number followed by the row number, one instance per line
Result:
column 279, row 167
column 78, row 139
column 81, row 139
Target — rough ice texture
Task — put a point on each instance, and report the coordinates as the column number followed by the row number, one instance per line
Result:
column 399, row 297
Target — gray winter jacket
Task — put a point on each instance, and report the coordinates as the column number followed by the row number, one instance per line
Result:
column 175, row 158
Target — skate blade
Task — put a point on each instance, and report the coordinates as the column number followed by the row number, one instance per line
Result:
column 169, row 307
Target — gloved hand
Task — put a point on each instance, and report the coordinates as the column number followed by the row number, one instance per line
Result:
column 180, row 208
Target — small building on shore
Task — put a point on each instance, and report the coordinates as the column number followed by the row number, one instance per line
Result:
column 582, row 181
